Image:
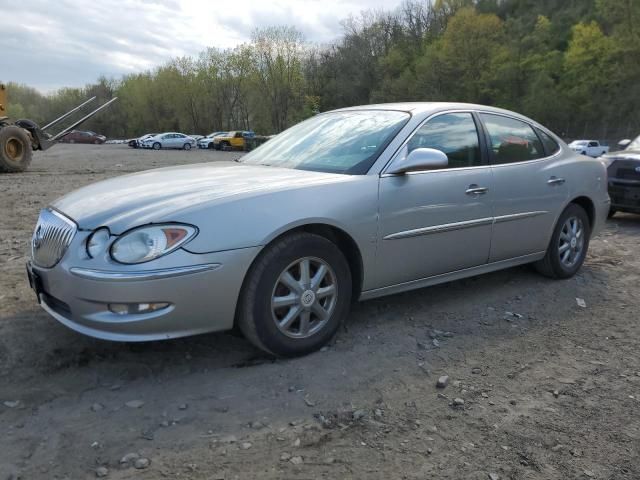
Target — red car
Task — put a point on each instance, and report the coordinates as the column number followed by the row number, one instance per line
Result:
column 78, row 136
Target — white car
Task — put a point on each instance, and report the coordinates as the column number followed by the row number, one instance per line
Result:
column 169, row 140
column 207, row 142
column 592, row 148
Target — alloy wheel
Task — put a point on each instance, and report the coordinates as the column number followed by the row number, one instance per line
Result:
column 304, row 297
column 571, row 242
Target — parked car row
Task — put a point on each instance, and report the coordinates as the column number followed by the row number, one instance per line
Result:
column 233, row 140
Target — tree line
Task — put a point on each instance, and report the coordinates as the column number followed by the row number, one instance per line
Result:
column 572, row 65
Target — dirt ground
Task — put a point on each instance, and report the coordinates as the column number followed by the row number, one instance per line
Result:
column 550, row 390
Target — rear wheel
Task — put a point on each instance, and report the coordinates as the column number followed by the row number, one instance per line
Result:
column 157, row 146
column 295, row 295
column 15, row 149
column 210, row 146
column 225, row 146
column 569, row 244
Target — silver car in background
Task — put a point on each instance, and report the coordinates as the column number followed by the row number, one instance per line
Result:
column 169, row 140
column 348, row 205
column 207, row 142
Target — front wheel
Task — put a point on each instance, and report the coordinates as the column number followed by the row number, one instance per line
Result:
column 295, row 295
column 157, row 146
column 187, row 146
column 569, row 244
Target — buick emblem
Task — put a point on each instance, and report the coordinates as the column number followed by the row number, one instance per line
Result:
column 36, row 241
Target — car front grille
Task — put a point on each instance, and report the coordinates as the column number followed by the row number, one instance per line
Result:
column 624, row 169
column 51, row 238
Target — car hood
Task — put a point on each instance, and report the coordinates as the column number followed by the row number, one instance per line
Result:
column 623, row 155
column 161, row 195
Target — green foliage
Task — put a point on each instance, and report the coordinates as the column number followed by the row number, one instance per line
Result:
column 572, row 65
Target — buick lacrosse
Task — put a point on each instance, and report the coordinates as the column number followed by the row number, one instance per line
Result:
column 348, row 205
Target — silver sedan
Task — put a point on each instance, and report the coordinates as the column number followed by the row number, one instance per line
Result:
column 169, row 140
column 348, row 205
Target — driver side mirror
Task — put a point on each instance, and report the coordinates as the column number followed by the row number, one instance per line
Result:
column 624, row 143
column 420, row 159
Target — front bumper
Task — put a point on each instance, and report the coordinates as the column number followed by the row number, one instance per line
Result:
column 625, row 194
column 201, row 290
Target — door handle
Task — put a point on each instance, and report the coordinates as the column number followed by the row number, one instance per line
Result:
column 555, row 181
column 476, row 190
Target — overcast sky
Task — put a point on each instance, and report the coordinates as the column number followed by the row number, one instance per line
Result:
column 49, row 44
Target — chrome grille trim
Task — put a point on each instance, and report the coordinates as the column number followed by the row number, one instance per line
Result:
column 51, row 238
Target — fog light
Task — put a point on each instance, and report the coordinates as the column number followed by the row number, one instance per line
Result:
column 134, row 308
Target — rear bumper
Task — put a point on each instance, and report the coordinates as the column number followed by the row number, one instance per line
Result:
column 201, row 291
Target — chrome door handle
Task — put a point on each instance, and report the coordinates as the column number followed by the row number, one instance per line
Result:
column 555, row 181
column 476, row 190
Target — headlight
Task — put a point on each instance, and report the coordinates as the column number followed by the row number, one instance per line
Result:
column 147, row 243
column 97, row 242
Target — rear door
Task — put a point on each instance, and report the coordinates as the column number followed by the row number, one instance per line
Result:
column 530, row 186
column 436, row 221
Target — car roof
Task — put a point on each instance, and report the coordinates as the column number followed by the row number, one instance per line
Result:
column 430, row 107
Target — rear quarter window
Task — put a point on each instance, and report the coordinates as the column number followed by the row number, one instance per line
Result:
column 551, row 147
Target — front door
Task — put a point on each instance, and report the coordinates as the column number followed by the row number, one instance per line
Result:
column 437, row 221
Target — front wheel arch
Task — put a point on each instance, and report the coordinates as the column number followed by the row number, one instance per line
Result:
column 343, row 240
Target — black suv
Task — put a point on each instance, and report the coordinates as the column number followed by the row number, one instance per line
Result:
column 624, row 177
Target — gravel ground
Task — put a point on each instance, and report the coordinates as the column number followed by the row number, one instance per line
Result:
column 538, row 387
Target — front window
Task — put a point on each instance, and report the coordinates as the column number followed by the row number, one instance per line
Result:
column 455, row 134
column 347, row 142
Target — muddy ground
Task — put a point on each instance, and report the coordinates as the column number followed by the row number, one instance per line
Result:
column 550, row 393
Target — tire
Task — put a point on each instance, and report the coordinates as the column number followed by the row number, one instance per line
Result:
column 210, row 146
column 225, row 146
column 72, row 141
column 553, row 264
column 258, row 319
column 157, row 146
column 612, row 212
column 583, row 153
column 15, row 149
column 187, row 146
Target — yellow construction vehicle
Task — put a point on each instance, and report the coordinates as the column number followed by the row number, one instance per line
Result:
column 19, row 139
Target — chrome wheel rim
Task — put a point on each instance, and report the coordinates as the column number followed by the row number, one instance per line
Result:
column 571, row 241
column 304, row 297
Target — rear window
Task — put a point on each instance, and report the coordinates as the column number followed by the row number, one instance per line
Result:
column 511, row 140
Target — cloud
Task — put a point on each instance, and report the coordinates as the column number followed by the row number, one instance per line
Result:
column 49, row 45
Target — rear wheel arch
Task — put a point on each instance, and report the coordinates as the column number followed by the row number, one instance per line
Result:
column 588, row 206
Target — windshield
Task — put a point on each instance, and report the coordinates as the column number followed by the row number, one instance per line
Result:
column 635, row 145
column 346, row 142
